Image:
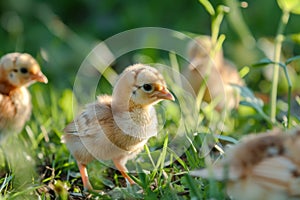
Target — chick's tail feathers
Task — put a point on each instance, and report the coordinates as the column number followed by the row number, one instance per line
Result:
column 70, row 129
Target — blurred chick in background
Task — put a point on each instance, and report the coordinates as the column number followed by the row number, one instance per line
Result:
column 264, row 166
column 216, row 73
column 117, row 127
column 17, row 72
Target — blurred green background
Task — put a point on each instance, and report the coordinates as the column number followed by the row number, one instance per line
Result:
column 60, row 34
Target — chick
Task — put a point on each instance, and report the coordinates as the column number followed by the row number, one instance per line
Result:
column 17, row 72
column 264, row 166
column 117, row 127
column 218, row 73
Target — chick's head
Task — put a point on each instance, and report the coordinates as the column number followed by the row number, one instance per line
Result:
column 200, row 47
column 150, row 88
column 21, row 69
column 201, row 52
column 141, row 85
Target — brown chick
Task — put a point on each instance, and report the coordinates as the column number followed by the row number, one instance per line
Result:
column 264, row 166
column 17, row 72
column 218, row 73
column 117, row 127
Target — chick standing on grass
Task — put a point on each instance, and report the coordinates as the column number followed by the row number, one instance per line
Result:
column 117, row 127
column 264, row 166
column 220, row 74
column 17, row 72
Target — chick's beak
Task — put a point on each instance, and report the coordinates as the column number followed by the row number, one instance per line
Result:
column 165, row 94
column 39, row 77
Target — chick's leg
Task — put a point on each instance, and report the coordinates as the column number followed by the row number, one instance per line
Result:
column 84, row 176
column 120, row 165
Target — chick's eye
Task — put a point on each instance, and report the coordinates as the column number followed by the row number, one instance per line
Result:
column 147, row 88
column 23, row 70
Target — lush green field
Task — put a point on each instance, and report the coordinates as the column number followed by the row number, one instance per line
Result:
column 36, row 165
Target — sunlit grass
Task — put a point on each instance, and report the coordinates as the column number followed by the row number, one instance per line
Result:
column 36, row 165
column 39, row 166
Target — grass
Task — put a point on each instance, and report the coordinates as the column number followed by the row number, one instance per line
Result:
column 36, row 165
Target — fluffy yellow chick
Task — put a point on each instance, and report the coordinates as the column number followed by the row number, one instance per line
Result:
column 117, row 127
column 17, row 72
column 264, row 166
column 218, row 73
